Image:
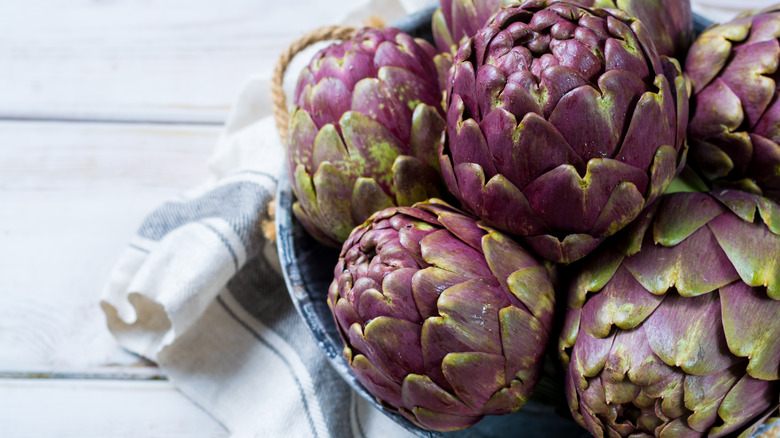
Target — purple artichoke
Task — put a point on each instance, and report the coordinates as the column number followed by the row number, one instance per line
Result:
column 562, row 123
column 669, row 22
column 735, row 111
column 443, row 319
column 365, row 130
column 673, row 330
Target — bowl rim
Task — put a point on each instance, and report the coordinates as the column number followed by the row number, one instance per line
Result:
column 285, row 224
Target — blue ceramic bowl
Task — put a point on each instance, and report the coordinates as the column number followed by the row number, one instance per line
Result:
column 308, row 271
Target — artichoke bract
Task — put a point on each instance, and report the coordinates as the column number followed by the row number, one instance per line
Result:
column 562, row 123
column 673, row 330
column 669, row 22
column 443, row 320
column 458, row 20
column 734, row 130
column 364, row 131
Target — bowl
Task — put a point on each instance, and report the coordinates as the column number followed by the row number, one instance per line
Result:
column 308, row 271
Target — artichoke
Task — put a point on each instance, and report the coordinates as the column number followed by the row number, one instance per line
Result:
column 669, row 22
column 735, row 112
column 443, row 320
column 562, row 123
column 673, row 330
column 364, row 131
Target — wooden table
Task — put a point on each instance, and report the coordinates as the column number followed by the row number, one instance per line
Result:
column 107, row 109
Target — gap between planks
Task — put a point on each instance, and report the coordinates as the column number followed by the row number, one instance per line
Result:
column 100, row 408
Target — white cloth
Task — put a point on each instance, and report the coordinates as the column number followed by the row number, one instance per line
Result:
column 198, row 291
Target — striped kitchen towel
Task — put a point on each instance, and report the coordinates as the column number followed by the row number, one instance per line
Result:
column 199, row 292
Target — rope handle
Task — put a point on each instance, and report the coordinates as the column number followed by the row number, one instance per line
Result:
column 278, row 98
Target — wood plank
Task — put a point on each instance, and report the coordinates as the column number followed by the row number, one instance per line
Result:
column 88, row 408
column 170, row 60
column 58, row 156
column 71, row 196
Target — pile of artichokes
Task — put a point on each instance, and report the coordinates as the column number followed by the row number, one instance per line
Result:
column 511, row 189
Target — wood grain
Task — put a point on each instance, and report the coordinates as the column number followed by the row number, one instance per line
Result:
column 95, row 156
column 71, row 197
column 98, row 409
column 169, row 60
column 158, row 60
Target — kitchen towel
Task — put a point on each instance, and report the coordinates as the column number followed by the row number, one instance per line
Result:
column 199, row 291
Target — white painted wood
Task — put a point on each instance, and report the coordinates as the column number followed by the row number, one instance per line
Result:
column 71, row 196
column 99, row 409
column 58, row 156
column 172, row 60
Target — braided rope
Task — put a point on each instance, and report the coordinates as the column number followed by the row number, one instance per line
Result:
column 278, row 98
